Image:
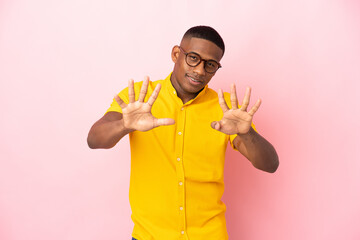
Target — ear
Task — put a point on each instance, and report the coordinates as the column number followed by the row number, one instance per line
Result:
column 175, row 53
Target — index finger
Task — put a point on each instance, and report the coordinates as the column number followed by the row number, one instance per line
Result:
column 154, row 94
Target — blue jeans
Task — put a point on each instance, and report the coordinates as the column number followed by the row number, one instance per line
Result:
column 133, row 239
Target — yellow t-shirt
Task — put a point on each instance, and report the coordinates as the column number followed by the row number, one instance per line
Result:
column 176, row 180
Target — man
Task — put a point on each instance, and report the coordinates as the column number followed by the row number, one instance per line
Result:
column 178, row 138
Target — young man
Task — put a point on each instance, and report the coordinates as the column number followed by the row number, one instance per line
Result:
column 178, row 138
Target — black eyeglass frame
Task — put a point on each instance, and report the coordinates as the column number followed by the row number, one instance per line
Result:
column 201, row 59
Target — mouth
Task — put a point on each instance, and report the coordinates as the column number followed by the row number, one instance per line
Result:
column 193, row 80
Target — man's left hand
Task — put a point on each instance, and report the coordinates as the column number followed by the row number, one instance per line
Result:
column 235, row 120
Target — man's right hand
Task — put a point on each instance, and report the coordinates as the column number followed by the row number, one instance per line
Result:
column 113, row 126
column 137, row 114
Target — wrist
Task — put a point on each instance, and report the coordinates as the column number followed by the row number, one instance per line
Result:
column 123, row 128
column 250, row 133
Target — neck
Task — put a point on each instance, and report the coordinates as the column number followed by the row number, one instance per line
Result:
column 185, row 97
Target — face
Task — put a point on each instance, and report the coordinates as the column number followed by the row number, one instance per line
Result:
column 189, row 81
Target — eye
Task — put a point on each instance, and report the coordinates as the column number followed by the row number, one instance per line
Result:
column 193, row 57
column 211, row 64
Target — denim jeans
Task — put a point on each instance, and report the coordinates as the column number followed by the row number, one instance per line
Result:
column 133, row 239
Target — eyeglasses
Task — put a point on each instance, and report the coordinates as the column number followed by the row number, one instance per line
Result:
column 193, row 59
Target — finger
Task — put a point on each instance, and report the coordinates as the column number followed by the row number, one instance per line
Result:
column 216, row 125
column 143, row 90
column 255, row 107
column 163, row 122
column 233, row 97
column 131, row 91
column 222, row 102
column 154, row 95
column 246, row 100
column 121, row 103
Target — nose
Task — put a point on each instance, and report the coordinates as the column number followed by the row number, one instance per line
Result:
column 200, row 69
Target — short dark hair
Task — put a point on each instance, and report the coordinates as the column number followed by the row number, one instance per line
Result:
column 208, row 33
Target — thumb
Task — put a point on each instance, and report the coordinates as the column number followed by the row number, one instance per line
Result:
column 163, row 122
column 216, row 125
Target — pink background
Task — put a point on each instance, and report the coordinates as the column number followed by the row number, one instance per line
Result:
column 61, row 62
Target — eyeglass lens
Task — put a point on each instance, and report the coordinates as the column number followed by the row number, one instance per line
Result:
column 194, row 59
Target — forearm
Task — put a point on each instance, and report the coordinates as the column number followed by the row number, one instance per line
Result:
column 258, row 150
column 105, row 134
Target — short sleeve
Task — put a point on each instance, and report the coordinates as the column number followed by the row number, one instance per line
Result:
column 232, row 137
